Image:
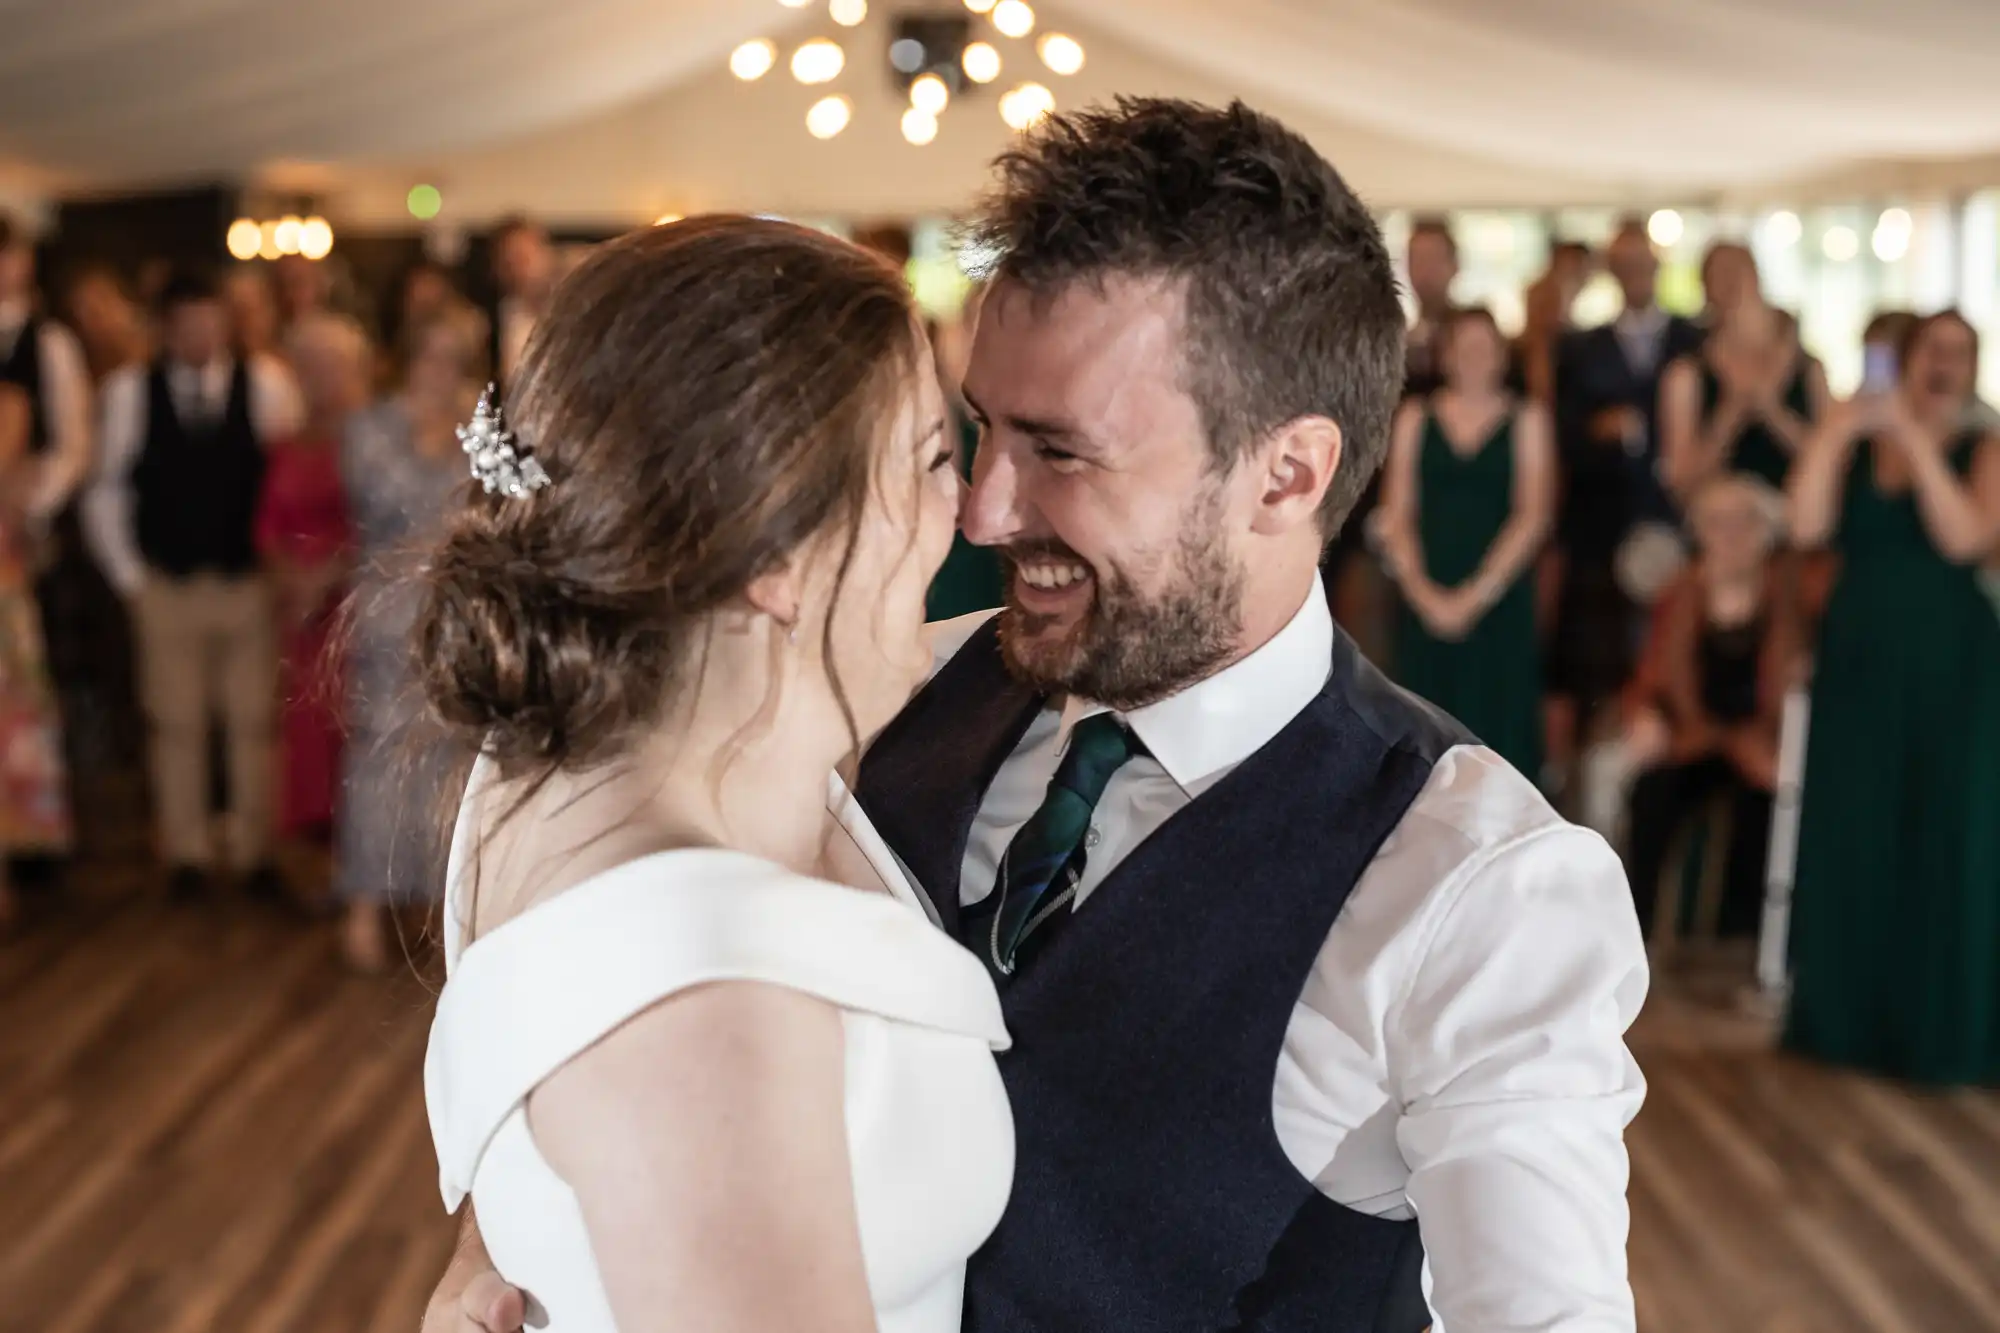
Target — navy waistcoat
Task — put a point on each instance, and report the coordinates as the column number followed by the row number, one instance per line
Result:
column 1151, row 1194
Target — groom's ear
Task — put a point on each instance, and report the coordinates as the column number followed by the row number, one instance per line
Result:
column 1296, row 463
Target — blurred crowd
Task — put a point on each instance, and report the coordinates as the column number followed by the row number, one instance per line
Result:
column 1623, row 556
column 1658, row 566
column 211, row 485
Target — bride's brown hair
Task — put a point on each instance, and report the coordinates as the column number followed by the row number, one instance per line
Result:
column 707, row 397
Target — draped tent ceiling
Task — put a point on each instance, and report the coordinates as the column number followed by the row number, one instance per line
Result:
column 598, row 109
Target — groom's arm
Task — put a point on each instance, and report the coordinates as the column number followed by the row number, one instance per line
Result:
column 472, row 1297
column 1508, row 1057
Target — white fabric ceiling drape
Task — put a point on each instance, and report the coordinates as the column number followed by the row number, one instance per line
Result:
column 585, row 106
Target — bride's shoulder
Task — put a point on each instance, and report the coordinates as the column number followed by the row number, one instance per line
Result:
column 644, row 930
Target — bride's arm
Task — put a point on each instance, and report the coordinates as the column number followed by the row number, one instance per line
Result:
column 706, row 1144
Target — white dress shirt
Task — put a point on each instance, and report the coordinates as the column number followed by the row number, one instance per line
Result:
column 1640, row 335
column 1458, row 1053
column 199, row 394
column 65, row 391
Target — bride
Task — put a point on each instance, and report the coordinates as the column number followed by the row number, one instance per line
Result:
column 687, row 1078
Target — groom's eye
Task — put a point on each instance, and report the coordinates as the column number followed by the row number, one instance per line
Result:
column 1045, row 450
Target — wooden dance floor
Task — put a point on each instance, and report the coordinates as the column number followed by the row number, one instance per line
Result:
column 206, row 1124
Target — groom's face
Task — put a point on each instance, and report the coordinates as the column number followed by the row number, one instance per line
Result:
column 1096, row 483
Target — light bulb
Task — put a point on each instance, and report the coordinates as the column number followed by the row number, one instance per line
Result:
column 829, row 116
column 245, row 239
column 848, row 13
column 424, row 202
column 315, row 238
column 267, row 241
column 919, row 126
column 980, row 6
column 1891, row 240
column 930, row 95
column 1783, row 228
column 1840, row 244
column 1665, row 227
column 1026, row 105
column 795, row 4
column 1014, row 18
column 1061, row 53
column 753, row 60
column 981, row 61
column 818, row 61
column 286, row 235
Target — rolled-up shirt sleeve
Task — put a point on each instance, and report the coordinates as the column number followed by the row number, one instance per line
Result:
column 107, row 510
column 1517, row 1086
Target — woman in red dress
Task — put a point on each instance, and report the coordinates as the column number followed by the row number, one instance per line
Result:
column 305, row 539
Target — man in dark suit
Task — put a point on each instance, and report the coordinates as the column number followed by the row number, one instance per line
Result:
column 524, row 273
column 1607, row 408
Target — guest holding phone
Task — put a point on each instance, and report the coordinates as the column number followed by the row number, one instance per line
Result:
column 1897, row 942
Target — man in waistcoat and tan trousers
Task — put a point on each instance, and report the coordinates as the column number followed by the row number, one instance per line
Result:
column 1319, row 1013
column 171, row 517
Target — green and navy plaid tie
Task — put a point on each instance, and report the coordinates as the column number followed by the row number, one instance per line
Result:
column 1044, row 862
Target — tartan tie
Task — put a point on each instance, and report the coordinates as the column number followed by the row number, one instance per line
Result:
column 1044, row 862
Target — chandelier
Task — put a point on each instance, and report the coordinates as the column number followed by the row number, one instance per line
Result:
column 938, row 60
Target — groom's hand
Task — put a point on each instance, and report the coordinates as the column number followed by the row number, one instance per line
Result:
column 472, row 1297
column 486, row 1304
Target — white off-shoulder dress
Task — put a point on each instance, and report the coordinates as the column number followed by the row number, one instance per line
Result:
column 929, row 1133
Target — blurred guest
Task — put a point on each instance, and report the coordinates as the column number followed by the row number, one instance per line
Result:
column 1466, row 505
column 113, row 332
column 1709, row 697
column 253, row 312
column 524, row 270
column 1607, row 389
column 172, row 520
column 46, row 363
column 423, row 292
column 1432, row 264
column 34, row 804
column 1897, row 942
column 306, row 543
column 1548, row 302
column 1729, row 281
column 304, row 288
column 402, row 466
column 44, row 360
column 1745, row 400
column 1355, row 586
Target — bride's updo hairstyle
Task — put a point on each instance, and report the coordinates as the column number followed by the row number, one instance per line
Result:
column 706, row 397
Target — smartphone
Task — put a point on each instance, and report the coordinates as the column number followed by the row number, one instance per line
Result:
column 1878, row 368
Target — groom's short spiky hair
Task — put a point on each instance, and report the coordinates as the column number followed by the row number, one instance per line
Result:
column 1292, row 305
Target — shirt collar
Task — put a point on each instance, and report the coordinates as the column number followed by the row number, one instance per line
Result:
column 1648, row 320
column 1210, row 727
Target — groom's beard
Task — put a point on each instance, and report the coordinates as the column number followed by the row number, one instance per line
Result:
column 1128, row 650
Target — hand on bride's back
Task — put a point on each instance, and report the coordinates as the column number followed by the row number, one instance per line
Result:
column 485, row 1304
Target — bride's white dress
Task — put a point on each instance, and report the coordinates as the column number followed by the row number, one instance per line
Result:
column 928, row 1127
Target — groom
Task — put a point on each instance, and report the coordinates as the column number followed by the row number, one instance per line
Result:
column 1318, row 1008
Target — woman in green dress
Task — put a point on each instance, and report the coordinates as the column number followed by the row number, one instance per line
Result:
column 1748, row 399
column 1896, row 947
column 1467, row 496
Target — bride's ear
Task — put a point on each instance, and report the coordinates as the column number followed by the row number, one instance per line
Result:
column 777, row 594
